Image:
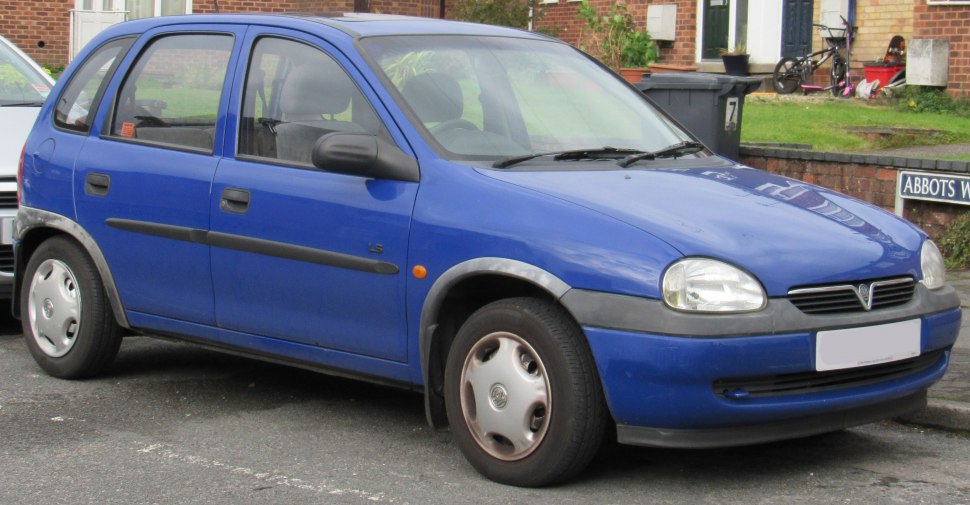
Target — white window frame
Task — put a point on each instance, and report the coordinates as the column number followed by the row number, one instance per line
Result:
column 98, row 6
column 947, row 2
column 157, row 7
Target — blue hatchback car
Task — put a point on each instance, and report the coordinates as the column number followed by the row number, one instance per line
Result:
column 482, row 214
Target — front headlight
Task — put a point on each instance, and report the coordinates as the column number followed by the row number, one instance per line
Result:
column 706, row 285
column 931, row 262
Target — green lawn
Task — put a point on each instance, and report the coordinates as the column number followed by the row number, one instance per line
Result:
column 823, row 124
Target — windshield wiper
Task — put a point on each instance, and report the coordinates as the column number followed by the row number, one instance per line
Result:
column 575, row 154
column 22, row 104
column 675, row 150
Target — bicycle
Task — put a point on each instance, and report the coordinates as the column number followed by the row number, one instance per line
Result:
column 792, row 72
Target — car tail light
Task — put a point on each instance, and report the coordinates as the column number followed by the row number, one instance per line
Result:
column 20, row 174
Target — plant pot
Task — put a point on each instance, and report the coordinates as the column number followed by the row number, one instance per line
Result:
column 735, row 64
column 633, row 75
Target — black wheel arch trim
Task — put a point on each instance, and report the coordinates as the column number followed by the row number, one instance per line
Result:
column 30, row 219
column 430, row 311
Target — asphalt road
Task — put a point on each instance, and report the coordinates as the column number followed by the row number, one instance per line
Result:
column 173, row 424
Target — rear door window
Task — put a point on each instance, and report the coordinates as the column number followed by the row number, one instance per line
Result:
column 77, row 104
column 171, row 96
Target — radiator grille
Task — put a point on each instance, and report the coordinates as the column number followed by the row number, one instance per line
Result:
column 864, row 296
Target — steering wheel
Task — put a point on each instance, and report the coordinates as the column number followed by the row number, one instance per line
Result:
column 452, row 124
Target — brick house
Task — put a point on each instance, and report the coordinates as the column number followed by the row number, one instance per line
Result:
column 52, row 31
column 773, row 28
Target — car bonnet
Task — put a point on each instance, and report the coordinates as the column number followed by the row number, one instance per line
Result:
column 787, row 232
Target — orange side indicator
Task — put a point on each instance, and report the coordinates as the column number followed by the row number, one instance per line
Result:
column 419, row 271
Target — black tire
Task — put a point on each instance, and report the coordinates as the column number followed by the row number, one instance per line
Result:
column 68, row 323
column 837, row 76
column 546, row 349
column 787, row 76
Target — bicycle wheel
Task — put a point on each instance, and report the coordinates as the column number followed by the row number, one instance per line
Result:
column 837, row 76
column 787, row 76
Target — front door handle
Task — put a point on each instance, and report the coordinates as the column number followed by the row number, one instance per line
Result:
column 96, row 184
column 234, row 200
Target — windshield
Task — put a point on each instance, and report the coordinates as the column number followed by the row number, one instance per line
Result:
column 494, row 98
column 20, row 83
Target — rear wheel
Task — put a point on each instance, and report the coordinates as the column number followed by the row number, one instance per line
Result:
column 522, row 394
column 787, row 76
column 837, row 77
column 67, row 322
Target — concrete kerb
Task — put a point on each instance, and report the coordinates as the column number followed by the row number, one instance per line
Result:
column 948, row 403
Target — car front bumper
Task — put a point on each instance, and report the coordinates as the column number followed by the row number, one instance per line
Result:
column 674, row 380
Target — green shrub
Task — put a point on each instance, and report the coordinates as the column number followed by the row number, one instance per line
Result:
column 54, row 70
column 955, row 243
column 616, row 39
column 514, row 13
column 929, row 99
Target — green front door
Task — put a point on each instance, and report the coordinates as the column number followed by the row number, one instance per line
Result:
column 716, row 19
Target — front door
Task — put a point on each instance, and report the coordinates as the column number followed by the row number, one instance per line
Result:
column 301, row 254
column 716, row 26
column 796, row 27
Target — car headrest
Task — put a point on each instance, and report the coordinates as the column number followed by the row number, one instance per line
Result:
column 435, row 97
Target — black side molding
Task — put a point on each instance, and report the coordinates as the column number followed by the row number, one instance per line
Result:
column 256, row 246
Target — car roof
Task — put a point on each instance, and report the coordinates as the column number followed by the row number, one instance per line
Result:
column 355, row 25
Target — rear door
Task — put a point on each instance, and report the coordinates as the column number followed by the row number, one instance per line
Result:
column 142, row 186
column 301, row 254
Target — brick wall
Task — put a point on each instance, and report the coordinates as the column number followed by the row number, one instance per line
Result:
column 878, row 22
column 562, row 17
column 423, row 8
column 31, row 24
column 867, row 177
column 951, row 22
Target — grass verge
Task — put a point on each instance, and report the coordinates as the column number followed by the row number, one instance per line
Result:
column 823, row 122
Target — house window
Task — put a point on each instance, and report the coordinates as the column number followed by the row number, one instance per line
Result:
column 99, row 5
column 138, row 9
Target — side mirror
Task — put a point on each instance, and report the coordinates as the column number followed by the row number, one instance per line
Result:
column 364, row 155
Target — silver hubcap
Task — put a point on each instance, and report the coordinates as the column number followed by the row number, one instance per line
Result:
column 54, row 308
column 505, row 396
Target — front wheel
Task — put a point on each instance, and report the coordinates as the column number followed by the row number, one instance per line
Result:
column 787, row 76
column 68, row 324
column 522, row 394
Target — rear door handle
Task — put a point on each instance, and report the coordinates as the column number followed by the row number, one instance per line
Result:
column 234, row 200
column 96, row 184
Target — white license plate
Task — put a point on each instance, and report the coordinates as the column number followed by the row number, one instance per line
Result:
column 868, row 345
column 6, row 231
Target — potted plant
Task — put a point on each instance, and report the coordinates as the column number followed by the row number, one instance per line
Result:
column 637, row 53
column 620, row 44
column 736, row 60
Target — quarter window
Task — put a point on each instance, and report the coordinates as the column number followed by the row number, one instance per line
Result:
column 172, row 94
column 77, row 104
column 295, row 94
